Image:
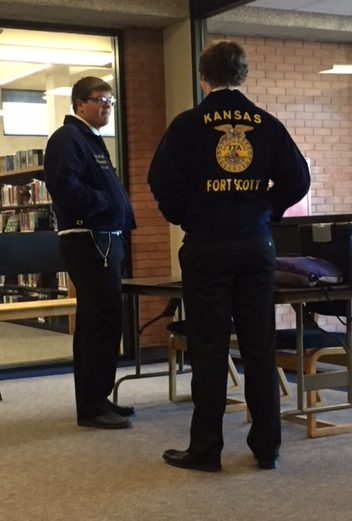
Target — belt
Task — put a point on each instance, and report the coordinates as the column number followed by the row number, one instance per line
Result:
column 77, row 230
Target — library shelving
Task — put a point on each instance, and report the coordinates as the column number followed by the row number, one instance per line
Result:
column 25, row 208
column 21, row 175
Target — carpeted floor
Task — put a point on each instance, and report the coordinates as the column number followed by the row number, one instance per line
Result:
column 52, row 470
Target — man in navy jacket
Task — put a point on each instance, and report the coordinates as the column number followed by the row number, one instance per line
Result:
column 224, row 171
column 93, row 211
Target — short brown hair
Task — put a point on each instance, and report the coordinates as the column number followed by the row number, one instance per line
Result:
column 83, row 88
column 223, row 63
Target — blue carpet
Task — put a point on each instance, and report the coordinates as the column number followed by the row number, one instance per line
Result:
column 149, row 356
column 35, row 370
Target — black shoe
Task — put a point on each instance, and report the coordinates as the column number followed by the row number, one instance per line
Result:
column 109, row 420
column 184, row 460
column 267, row 464
column 121, row 411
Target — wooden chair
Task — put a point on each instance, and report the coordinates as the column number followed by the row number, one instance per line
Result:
column 178, row 346
column 320, row 347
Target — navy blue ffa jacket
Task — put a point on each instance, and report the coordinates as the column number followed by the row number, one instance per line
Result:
column 82, row 182
column 226, row 169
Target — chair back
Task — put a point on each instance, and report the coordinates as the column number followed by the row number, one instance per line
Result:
column 30, row 252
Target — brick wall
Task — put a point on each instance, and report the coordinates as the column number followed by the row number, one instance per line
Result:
column 145, row 110
column 316, row 108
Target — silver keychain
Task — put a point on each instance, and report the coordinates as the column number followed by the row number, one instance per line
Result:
column 104, row 255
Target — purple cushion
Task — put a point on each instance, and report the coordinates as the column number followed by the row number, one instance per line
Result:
column 305, row 272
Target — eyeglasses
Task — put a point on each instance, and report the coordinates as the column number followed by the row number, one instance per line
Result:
column 102, row 100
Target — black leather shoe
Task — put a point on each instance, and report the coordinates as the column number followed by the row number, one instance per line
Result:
column 184, row 460
column 121, row 411
column 267, row 464
column 109, row 420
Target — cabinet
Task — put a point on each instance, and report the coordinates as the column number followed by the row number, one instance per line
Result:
column 29, row 245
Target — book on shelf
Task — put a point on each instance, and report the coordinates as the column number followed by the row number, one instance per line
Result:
column 23, row 195
column 13, row 223
column 15, row 195
column 35, row 157
column 3, row 219
column 7, row 163
column 28, row 280
column 34, row 192
column 62, row 282
column 39, row 192
column 7, row 299
column 22, row 159
column 28, row 220
column 6, row 195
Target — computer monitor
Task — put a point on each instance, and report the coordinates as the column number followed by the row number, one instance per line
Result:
column 330, row 241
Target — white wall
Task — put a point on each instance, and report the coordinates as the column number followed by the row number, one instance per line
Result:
column 179, row 97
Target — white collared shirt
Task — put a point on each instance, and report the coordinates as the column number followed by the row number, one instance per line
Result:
column 93, row 129
column 224, row 87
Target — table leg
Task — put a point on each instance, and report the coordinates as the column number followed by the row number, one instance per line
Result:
column 300, row 355
column 137, row 353
column 312, row 382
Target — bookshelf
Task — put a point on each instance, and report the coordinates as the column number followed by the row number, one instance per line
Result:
column 21, row 175
column 25, row 209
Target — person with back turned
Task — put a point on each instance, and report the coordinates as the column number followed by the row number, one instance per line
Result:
column 224, row 171
column 93, row 211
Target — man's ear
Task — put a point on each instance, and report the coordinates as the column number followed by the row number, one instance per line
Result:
column 206, row 87
column 79, row 105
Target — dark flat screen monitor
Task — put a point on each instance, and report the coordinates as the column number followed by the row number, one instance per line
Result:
column 329, row 241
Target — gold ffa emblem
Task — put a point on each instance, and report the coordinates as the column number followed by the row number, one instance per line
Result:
column 234, row 152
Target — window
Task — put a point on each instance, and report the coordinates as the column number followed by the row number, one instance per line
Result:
column 24, row 112
column 38, row 70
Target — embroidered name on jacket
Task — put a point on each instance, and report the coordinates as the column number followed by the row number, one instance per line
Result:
column 101, row 161
column 231, row 184
column 227, row 115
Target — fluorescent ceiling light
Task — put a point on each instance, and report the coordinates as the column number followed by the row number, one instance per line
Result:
column 59, row 91
column 107, row 78
column 16, row 71
column 66, row 91
column 338, row 69
column 54, row 56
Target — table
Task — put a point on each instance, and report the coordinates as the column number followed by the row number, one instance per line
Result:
column 152, row 286
column 171, row 288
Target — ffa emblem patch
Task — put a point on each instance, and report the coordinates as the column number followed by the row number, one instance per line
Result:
column 234, row 152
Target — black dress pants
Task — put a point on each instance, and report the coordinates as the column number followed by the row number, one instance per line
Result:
column 224, row 280
column 98, row 330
